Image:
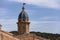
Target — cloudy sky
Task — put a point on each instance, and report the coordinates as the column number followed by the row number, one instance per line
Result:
column 44, row 14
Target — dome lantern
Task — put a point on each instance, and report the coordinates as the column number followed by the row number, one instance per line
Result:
column 23, row 15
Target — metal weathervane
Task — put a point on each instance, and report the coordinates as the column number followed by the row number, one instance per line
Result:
column 23, row 2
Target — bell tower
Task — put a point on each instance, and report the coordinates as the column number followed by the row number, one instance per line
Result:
column 0, row 26
column 23, row 22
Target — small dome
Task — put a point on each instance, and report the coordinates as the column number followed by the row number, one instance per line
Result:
column 23, row 15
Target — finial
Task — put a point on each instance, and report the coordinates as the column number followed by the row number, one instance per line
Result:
column 23, row 6
column 24, row 3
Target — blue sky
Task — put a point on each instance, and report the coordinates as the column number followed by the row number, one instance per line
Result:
column 44, row 14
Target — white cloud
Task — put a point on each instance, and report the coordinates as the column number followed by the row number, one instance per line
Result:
column 45, row 26
column 8, row 24
column 50, row 24
column 46, row 3
column 3, row 11
column 50, row 18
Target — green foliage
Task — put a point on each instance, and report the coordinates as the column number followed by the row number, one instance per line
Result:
column 47, row 35
column 58, row 38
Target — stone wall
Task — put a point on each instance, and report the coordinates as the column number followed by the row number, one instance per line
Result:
column 30, row 37
column 7, row 36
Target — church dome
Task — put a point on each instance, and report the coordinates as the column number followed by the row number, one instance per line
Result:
column 23, row 15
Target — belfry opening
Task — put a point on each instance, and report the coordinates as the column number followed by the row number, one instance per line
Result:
column 23, row 21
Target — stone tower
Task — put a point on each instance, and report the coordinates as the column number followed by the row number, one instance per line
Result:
column 23, row 22
column 0, row 26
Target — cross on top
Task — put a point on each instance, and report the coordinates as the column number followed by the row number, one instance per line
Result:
column 24, row 4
